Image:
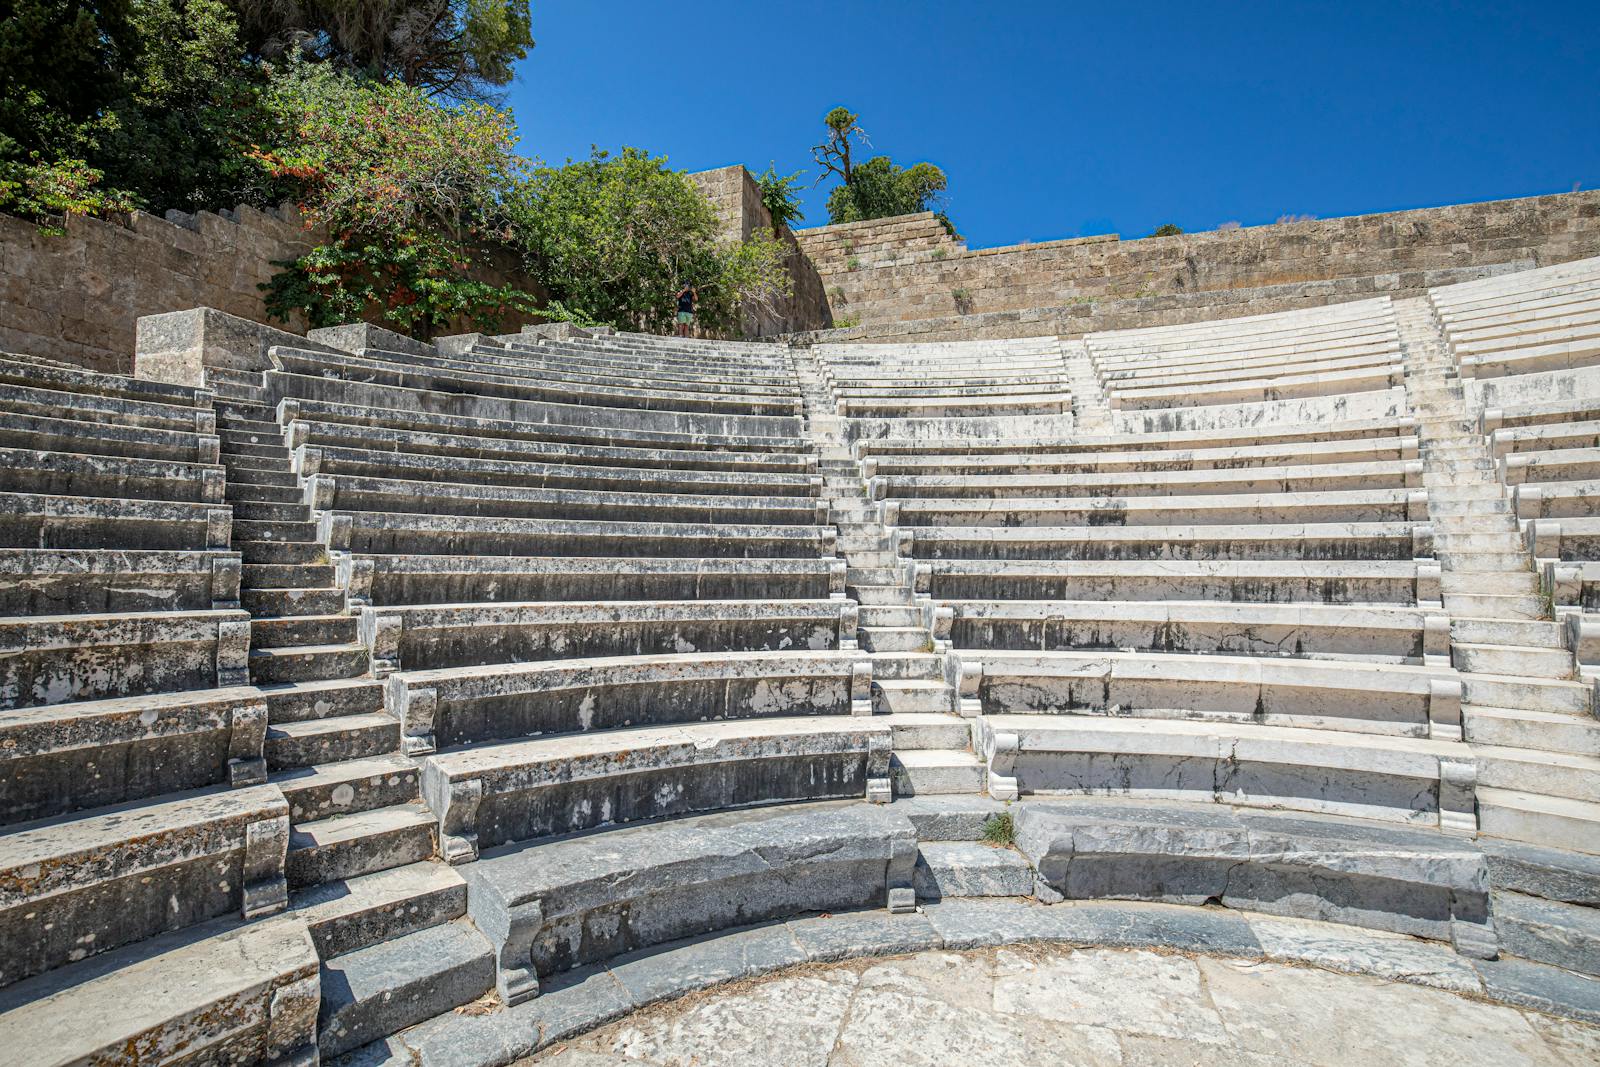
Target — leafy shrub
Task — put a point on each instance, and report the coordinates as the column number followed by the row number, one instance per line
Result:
column 409, row 191
column 46, row 190
column 1167, row 229
column 778, row 196
column 614, row 237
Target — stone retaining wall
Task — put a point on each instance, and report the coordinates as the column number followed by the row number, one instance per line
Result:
column 737, row 199
column 907, row 279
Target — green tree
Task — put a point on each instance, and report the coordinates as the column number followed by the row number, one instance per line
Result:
column 878, row 188
column 459, row 49
column 881, row 189
column 411, row 193
column 612, row 238
column 779, row 198
column 1167, row 229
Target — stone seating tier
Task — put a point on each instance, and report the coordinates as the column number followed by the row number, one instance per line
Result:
column 530, row 390
column 698, row 450
column 105, row 411
column 473, row 498
column 61, row 758
column 1405, row 582
column 1262, row 480
column 495, row 794
column 550, row 364
column 463, row 705
column 119, row 875
column 1153, row 441
column 1329, row 506
column 51, row 659
column 548, row 420
column 1343, row 696
column 467, row 635
column 78, row 433
column 43, row 581
column 416, row 579
column 307, row 433
column 1408, row 780
column 1319, row 631
column 220, row 992
column 383, row 533
column 400, row 466
column 1371, row 541
column 37, row 520
column 1358, row 450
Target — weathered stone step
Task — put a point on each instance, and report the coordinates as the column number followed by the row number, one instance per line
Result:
column 933, row 771
column 230, row 411
column 1548, row 931
column 272, row 530
column 1556, row 774
column 287, row 576
column 1511, row 659
column 1453, row 559
column 907, row 666
column 374, row 991
column 1450, row 508
column 1489, row 606
column 1506, row 632
column 345, row 846
column 292, row 601
column 320, row 792
column 896, row 639
column 879, row 594
column 890, row 615
column 282, row 479
column 345, row 737
column 873, row 576
column 1548, row 731
column 871, row 559
column 246, row 432
column 280, row 551
column 303, row 630
column 351, row 913
column 1494, row 583
column 250, row 493
column 272, row 512
column 1534, row 694
column 929, row 729
column 1538, row 819
column 308, row 701
column 262, row 450
column 947, row 869
column 307, row 663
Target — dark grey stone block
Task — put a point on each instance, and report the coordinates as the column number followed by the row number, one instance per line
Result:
column 683, row 966
column 1548, row 931
column 1543, row 988
column 1552, row 873
column 865, row 933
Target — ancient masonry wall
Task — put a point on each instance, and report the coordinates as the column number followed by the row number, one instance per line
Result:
column 76, row 297
column 737, row 199
column 906, row 278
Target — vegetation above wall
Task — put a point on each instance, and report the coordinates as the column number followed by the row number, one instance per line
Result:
column 878, row 188
column 375, row 118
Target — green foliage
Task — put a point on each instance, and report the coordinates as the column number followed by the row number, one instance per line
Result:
column 1167, row 229
column 847, row 322
column 1000, row 829
column 778, row 196
column 834, row 155
column 458, row 49
column 882, row 189
column 853, row 263
column 44, row 190
column 614, row 237
column 153, row 94
column 408, row 190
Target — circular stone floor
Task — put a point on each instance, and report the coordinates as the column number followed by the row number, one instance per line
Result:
column 1050, row 1006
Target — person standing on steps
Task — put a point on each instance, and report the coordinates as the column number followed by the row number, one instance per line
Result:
column 686, row 300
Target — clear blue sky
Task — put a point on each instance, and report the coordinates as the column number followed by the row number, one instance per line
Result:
column 1056, row 119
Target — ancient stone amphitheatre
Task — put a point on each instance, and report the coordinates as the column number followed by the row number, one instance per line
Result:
column 883, row 695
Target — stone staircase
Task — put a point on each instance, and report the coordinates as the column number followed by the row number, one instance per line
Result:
column 381, row 910
column 1089, row 406
column 1531, row 722
column 932, row 744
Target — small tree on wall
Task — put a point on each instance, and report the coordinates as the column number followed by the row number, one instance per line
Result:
column 878, row 188
column 779, row 198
